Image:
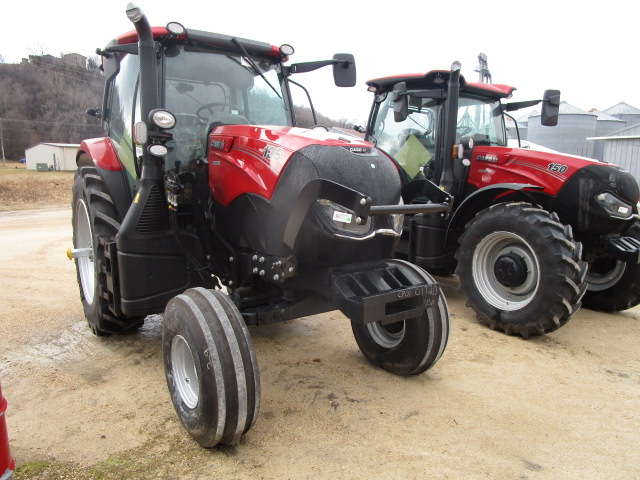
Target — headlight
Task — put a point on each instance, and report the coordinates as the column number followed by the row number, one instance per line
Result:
column 162, row 119
column 342, row 218
column 614, row 206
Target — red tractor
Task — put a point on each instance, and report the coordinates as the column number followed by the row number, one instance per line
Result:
column 205, row 202
column 530, row 235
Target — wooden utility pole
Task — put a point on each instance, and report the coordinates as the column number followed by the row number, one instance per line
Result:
column 4, row 160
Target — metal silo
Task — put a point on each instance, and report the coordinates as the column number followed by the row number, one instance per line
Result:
column 605, row 126
column 570, row 135
column 625, row 112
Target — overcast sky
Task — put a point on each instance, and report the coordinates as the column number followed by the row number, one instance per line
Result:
column 588, row 50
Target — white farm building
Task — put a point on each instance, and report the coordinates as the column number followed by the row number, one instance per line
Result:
column 52, row 156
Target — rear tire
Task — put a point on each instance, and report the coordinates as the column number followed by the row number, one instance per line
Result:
column 613, row 285
column 520, row 269
column 409, row 347
column 210, row 367
column 95, row 224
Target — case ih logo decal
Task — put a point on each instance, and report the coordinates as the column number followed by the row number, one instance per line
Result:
column 488, row 158
column 218, row 144
column 361, row 150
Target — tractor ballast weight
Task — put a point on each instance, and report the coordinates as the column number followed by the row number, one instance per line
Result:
column 531, row 235
column 204, row 183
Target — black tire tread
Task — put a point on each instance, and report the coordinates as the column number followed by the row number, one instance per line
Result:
column 423, row 349
column 233, row 401
column 89, row 186
column 568, row 276
column 625, row 294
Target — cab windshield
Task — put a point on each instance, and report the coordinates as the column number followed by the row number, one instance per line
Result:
column 413, row 142
column 205, row 89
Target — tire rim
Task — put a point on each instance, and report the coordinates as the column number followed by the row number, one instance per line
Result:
column 84, row 239
column 387, row 336
column 184, row 372
column 597, row 282
column 493, row 247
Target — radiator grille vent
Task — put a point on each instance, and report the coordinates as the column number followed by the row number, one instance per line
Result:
column 154, row 216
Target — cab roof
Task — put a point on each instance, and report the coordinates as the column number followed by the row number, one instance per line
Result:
column 437, row 79
column 206, row 38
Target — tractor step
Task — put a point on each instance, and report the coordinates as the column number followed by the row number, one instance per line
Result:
column 387, row 292
column 626, row 249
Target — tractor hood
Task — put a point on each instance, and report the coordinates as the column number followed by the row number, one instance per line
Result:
column 590, row 195
column 297, row 191
column 250, row 158
column 551, row 170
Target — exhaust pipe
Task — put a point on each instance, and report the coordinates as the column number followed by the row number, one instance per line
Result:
column 447, row 182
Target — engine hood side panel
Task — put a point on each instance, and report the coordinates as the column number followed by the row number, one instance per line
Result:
column 250, row 159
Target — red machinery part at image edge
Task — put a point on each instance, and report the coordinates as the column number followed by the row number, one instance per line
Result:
column 7, row 464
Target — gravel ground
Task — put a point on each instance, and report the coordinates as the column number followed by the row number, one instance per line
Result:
column 562, row 406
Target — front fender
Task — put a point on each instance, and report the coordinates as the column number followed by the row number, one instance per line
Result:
column 100, row 152
column 485, row 197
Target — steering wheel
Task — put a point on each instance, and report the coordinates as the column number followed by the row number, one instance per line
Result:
column 189, row 119
column 209, row 107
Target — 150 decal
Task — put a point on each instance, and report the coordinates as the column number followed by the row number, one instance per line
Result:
column 557, row 167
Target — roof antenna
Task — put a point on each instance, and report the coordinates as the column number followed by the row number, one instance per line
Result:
column 483, row 69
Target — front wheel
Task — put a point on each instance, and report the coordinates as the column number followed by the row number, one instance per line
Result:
column 520, row 269
column 210, row 367
column 613, row 285
column 408, row 347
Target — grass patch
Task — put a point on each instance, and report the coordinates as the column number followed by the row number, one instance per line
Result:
column 24, row 189
column 31, row 469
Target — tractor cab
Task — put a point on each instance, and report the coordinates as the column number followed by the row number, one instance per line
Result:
column 205, row 80
column 429, row 123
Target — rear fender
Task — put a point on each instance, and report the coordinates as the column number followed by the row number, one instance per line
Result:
column 99, row 153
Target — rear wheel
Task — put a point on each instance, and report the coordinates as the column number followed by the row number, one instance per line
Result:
column 95, row 224
column 613, row 285
column 408, row 347
column 520, row 269
column 210, row 367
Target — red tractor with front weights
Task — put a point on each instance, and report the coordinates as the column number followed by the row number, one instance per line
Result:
column 531, row 235
column 205, row 202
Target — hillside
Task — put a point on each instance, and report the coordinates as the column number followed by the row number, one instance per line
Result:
column 44, row 100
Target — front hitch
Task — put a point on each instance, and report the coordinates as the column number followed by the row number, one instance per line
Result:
column 385, row 291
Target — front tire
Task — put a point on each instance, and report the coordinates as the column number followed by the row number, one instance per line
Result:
column 613, row 285
column 520, row 269
column 408, row 347
column 210, row 367
column 95, row 224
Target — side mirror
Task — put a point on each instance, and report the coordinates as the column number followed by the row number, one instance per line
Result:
column 400, row 102
column 550, row 108
column 344, row 70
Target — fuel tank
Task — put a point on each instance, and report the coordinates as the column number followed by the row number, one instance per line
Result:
column 292, row 191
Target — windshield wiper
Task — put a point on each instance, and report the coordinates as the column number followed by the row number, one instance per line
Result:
column 248, row 58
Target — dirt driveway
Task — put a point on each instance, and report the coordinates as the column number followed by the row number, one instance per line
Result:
column 564, row 406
